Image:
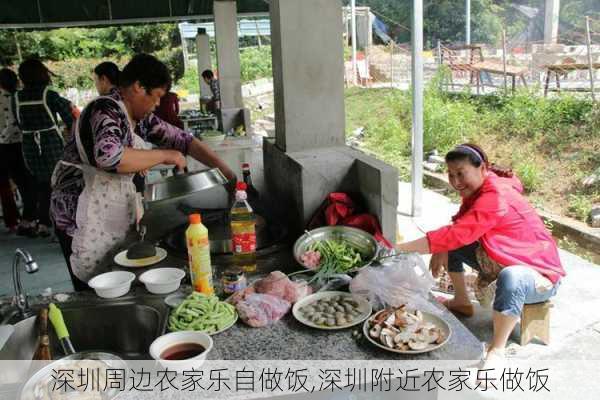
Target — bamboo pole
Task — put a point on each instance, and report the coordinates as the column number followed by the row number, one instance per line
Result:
column 18, row 45
column 258, row 33
column 392, row 64
column 588, row 40
column 440, row 61
column 504, row 59
column 353, row 27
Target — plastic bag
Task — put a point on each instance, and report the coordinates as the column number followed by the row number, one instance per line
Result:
column 402, row 279
column 259, row 310
column 278, row 284
column 336, row 282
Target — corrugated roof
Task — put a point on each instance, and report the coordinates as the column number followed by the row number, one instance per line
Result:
column 246, row 27
column 58, row 13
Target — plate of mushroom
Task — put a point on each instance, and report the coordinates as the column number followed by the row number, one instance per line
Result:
column 406, row 331
column 332, row 310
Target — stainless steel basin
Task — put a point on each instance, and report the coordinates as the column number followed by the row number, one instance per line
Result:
column 125, row 327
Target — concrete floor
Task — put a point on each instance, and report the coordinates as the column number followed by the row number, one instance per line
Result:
column 575, row 321
column 52, row 268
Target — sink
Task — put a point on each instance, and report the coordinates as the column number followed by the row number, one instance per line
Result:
column 125, row 327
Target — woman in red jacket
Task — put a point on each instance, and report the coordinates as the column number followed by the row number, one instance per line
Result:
column 498, row 233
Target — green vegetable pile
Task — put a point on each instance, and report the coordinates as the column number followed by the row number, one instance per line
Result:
column 337, row 257
column 200, row 312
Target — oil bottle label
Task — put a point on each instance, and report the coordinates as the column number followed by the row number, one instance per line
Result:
column 200, row 242
column 244, row 242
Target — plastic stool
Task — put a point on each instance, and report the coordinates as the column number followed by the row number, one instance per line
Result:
column 535, row 322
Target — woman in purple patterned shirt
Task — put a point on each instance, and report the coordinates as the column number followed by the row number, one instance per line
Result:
column 102, row 149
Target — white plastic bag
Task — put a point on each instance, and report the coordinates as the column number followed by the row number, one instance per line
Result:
column 402, row 279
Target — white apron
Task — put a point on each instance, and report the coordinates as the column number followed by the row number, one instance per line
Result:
column 107, row 210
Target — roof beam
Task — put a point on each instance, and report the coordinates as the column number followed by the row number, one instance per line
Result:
column 121, row 21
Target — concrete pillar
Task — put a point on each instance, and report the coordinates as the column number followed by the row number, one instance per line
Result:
column 204, row 59
column 308, row 73
column 551, row 21
column 228, row 54
column 308, row 158
column 364, row 27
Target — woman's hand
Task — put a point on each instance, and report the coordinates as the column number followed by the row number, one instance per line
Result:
column 438, row 263
column 174, row 157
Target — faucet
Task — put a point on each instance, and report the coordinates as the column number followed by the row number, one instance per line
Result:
column 31, row 267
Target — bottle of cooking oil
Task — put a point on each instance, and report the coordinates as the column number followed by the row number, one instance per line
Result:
column 198, row 248
column 243, row 230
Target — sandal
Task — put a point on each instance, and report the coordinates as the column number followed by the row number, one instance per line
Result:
column 464, row 310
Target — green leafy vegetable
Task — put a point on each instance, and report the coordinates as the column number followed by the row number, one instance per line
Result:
column 337, row 257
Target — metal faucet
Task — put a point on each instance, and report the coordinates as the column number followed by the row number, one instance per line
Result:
column 31, row 267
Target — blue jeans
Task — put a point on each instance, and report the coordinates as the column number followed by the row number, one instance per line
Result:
column 515, row 285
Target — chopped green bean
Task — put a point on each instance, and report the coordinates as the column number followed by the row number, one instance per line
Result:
column 202, row 313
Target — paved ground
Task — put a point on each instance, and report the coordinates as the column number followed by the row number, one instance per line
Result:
column 52, row 268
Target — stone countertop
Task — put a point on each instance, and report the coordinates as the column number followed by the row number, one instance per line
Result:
column 288, row 339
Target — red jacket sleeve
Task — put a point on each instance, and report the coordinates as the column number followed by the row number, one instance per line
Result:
column 485, row 213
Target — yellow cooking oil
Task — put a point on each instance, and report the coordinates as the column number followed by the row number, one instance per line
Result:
column 243, row 231
column 198, row 247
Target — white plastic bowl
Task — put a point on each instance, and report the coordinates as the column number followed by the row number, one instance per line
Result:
column 162, row 280
column 112, row 284
column 164, row 342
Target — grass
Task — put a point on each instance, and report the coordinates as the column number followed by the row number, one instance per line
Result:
column 551, row 144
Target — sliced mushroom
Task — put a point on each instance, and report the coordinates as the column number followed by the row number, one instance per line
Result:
column 375, row 331
column 441, row 337
column 403, row 337
column 390, row 320
column 382, row 316
column 427, row 335
column 417, row 345
column 419, row 315
column 387, row 337
column 402, row 346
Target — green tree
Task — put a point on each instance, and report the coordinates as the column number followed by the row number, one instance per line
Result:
column 442, row 19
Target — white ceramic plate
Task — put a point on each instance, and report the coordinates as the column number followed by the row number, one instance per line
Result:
column 122, row 260
column 363, row 305
column 427, row 317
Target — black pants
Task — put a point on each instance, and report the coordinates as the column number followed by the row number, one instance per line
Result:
column 44, row 191
column 65, row 244
column 465, row 254
column 12, row 164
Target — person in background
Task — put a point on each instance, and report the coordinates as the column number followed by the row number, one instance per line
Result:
column 12, row 165
column 35, row 108
column 168, row 109
column 498, row 233
column 94, row 200
column 214, row 103
column 106, row 77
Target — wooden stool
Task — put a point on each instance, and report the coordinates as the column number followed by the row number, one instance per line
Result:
column 535, row 322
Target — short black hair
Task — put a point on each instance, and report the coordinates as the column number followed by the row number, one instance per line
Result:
column 475, row 155
column 33, row 72
column 146, row 69
column 208, row 74
column 108, row 69
column 8, row 80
